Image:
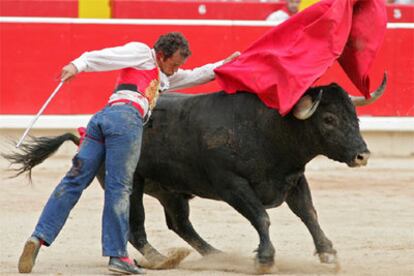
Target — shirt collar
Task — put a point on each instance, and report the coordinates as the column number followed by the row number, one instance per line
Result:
column 164, row 81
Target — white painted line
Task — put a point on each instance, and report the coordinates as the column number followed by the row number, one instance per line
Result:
column 400, row 25
column 118, row 21
column 183, row 22
column 369, row 124
column 392, row 124
column 44, row 122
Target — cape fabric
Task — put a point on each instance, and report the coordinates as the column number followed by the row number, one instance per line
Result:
column 282, row 64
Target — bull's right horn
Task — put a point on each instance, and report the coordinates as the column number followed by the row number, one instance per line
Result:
column 361, row 101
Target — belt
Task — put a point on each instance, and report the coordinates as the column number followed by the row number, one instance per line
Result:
column 127, row 86
column 134, row 104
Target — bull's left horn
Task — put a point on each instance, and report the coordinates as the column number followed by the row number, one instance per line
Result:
column 306, row 106
column 361, row 101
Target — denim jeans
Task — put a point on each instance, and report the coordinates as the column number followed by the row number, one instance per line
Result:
column 114, row 135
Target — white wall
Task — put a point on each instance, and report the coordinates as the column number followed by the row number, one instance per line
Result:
column 385, row 136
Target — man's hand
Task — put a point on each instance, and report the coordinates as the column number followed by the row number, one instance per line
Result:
column 231, row 57
column 68, row 72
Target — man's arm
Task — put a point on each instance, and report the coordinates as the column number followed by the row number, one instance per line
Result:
column 193, row 77
column 197, row 76
column 132, row 54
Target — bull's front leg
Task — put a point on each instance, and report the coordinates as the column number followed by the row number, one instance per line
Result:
column 237, row 192
column 300, row 202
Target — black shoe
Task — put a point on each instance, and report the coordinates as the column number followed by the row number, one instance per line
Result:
column 117, row 265
column 29, row 254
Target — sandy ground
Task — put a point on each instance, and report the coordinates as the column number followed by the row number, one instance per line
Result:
column 368, row 213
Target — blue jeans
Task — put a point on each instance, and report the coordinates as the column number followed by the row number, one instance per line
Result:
column 114, row 135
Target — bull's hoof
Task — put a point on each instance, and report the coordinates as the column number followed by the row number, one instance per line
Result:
column 174, row 258
column 264, row 264
column 264, row 267
column 212, row 252
column 330, row 258
column 153, row 257
column 265, row 259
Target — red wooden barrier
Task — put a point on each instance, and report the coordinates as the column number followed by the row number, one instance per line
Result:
column 32, row 55
column 45, row 8
column 400, row 13
column 190, row 9
column 172, row 9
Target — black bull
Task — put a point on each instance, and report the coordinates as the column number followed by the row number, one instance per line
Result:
column 234, row 149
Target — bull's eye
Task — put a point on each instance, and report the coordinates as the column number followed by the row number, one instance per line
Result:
column 330, row 120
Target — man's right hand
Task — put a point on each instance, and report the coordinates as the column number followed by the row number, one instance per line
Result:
column 68, row 72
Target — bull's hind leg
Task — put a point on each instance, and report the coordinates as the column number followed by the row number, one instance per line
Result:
column 138, row 236
column 177, row 212
column 299, row 200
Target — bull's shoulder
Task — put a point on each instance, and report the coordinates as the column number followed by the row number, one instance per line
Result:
column 219, row 98
column 176, row 96
column 173, row 100
column 216, row 106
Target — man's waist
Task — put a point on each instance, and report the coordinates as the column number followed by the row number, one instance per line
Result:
column 130, row 96
column 137, row 106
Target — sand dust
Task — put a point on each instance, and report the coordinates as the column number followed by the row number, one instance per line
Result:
column 368, row 213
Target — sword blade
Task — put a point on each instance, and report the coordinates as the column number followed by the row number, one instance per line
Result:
column 38, row 114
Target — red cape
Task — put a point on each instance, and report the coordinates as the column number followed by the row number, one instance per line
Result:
column 282, row 64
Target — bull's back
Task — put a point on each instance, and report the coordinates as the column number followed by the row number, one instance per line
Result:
column 186, row 132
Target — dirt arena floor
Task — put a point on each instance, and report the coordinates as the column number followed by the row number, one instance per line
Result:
column 368, row 213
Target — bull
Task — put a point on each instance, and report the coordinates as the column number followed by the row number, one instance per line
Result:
column 233, row 148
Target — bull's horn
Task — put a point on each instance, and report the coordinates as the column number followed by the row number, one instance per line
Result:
column 306, row 106
column 361, row 101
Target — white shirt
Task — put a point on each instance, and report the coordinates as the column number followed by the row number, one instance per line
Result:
column 139, row 56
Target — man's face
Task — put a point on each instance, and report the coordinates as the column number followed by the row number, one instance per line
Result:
column 293, row 5
column 170, row 65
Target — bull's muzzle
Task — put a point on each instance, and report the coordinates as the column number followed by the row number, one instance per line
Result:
column 361, row 159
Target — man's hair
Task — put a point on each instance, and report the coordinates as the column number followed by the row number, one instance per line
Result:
column 169, row 43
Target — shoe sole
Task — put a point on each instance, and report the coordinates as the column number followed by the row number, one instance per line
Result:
column 118, row 270
column 26, row 259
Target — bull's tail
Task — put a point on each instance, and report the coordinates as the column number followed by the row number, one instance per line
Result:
column 36, row 151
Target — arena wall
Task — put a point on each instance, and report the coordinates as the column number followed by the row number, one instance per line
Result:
column 167, row 9
column 30, row 64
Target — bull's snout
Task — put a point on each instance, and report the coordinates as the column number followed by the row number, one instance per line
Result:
column 361, row 159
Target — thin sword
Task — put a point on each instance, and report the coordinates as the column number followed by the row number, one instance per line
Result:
column 38, row 114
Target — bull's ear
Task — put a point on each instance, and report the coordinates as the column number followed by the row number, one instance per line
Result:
column 307, row 106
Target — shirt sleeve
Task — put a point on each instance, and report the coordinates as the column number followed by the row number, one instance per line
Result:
column 133, row 54
column 189, row 78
